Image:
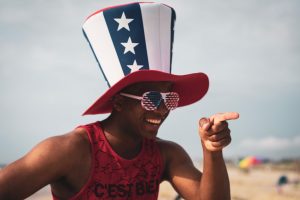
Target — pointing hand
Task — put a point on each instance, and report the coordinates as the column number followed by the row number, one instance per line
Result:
column 214, row 131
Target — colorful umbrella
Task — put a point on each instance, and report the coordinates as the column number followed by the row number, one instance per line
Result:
column 249, row 161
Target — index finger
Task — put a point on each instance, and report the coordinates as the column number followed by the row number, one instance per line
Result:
column 220, row 117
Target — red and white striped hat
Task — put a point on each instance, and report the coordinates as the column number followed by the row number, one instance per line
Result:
column 133, row 43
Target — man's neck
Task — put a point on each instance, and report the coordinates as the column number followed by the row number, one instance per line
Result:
column 126, row 145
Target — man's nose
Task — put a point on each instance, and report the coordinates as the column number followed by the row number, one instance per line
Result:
column 162, row 109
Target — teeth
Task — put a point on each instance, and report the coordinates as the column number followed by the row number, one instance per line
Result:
column 154, row 121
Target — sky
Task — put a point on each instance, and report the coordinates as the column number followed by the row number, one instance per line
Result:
column 249, row 49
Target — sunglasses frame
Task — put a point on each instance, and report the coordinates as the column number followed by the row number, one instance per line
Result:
column 163, row 97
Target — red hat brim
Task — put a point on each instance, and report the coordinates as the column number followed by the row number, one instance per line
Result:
column 190, row 87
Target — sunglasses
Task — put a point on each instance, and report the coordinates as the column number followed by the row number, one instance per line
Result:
column 152, row 99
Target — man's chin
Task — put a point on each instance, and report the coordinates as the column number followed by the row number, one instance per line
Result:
column 151, row 130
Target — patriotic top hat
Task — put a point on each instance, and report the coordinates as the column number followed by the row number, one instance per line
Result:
column 133, row 43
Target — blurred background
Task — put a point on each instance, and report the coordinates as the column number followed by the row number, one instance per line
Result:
column 249, row 49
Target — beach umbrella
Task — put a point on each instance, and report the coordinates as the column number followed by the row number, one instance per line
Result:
column 249, row 161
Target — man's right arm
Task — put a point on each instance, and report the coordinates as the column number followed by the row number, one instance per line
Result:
column 44, row 164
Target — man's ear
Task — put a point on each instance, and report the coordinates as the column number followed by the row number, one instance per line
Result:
column 118, row 102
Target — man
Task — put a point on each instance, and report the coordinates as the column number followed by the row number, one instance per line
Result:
column 121, row 156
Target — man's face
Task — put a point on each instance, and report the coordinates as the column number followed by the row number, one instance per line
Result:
column 137, row 120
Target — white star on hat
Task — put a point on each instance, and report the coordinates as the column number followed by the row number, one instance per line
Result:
column 135, row 67
column 129, row 46
column 123, row 22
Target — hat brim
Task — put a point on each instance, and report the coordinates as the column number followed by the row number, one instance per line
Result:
column 190, row 87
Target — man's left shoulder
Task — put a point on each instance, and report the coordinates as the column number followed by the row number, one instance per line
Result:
column 168, row 147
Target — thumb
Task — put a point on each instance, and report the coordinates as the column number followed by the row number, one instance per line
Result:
column 204, row 123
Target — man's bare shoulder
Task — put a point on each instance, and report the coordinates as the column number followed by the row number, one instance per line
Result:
column 53, row 151
column 167, row 145
column 75, row 140
column 171, row 150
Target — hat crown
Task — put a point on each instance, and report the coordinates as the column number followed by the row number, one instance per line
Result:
column 131, row 37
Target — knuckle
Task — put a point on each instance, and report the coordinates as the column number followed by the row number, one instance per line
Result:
column 202, row 121
column 229, row 131
column 215, row 128
column 214, row 138
column 229, row 139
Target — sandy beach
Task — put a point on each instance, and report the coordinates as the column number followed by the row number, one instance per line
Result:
column 257, row 184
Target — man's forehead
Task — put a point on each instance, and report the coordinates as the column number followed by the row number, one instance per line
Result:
column 163, row 86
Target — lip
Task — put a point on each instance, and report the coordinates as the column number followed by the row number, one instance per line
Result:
column 152, row 124
column 153, row 121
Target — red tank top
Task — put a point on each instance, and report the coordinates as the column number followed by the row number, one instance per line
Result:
column 113, row 177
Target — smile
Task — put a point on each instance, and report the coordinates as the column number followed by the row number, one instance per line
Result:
column 154, row 121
